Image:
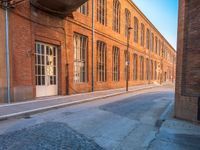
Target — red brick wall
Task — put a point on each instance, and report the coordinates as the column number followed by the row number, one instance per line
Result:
column 82, row 24
column 28, row 25
column 185, row 106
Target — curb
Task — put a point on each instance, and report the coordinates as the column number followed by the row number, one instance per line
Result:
column 26, row 114
column 164, row 115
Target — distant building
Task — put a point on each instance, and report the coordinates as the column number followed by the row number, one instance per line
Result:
column 52, row 55
column 188, row 62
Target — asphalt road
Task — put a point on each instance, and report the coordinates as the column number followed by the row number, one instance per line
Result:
column 125, row 122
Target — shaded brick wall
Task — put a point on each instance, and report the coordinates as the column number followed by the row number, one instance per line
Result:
column 3, row 84
column 186, row 106
column 29, row 25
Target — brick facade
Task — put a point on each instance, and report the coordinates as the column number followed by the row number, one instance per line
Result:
column 29, row 25
column 83, row 24
column 188, row 74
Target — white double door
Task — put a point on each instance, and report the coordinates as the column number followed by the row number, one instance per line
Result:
column 46, row 74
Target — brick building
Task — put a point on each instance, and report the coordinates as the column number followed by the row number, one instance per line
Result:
column 85, row 50
column 188, row 59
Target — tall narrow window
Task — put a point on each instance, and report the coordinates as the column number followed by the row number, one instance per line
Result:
column 156, row 46
column 141, row 68
column 135, row 68
column 83, row 9
column 116, row 16
column 147, row 69
column 152, row 42
column 151, row 69
column 80, row 58
column 101, row 61
column 127, row 21
column 155, row 70
column 159, row 47
column 101, row 11
column 148, row 39
column 115, row 64
column 162, row 49
column 135, row 30
column 142, row 34
column 125, row 65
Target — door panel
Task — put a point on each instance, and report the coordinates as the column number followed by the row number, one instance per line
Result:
column 46, row 70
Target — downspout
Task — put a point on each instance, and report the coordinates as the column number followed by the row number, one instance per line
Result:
column 150, row 67
column 7, row 52
column 93, row 26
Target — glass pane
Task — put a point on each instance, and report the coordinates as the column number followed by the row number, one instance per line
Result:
column 54, row 51
column 39, row 80
column 36, row 71
column 39, row 59
column 54, row 71
column 43, row 80
column 51, row 80
column 43, row 70
column 55, row 80
column 43, row 60
column 42, row 49
column 47, row 50
column 39, row 70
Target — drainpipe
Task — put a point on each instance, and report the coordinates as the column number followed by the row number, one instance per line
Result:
column 150, row 67
column 93, row 26
column 198, row 113
column 7, row 51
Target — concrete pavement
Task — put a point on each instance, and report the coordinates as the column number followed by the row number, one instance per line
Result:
column 176, row 134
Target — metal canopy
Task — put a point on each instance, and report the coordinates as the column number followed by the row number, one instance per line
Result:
column 58, row 7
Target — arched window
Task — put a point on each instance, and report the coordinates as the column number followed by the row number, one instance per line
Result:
column 148, row 39
column 115, row 63
column 147, row 69
column 159, row 47
column 127, row 21
column 80, row 58
column 155, row 70
column 83, row 9
column 102, row 11
column 116, row 15
column 152, row 42
column 142, row 34
column 135, row 29
column 156, row 47
column 101, row 61
column 125, row 65
column 135, row 68
column 141, row 68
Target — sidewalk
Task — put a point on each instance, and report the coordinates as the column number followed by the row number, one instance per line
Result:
column 23, row 109
column 176, row 134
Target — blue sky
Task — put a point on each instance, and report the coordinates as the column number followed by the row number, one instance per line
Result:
column 163, row 14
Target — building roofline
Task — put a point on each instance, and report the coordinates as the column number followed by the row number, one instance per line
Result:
column 144, row 17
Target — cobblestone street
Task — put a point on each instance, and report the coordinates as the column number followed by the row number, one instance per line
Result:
column 46, row 136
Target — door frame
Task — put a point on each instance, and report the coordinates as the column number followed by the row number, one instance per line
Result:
column 57, row 64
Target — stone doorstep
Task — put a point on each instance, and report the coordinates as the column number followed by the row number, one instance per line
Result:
column 27, row 113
